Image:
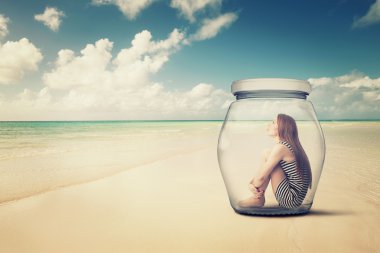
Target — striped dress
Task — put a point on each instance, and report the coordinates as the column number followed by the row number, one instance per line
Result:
column 292, row 190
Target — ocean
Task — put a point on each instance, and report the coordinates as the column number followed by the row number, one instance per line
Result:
column 40, row 156
column 36, row 157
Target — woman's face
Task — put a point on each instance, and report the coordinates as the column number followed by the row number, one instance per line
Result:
column 272, row 128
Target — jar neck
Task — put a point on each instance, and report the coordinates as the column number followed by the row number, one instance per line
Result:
column 270, row 94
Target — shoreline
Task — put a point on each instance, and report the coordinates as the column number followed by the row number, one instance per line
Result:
column 164, row 207
column 115, row 169
column 179, row 203
column 114, row 173
column 108, row 172
column 321, row 122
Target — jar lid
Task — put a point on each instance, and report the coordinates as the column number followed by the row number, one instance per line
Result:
column 270, row 84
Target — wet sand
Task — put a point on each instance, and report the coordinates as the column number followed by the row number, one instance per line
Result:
column 179, row 204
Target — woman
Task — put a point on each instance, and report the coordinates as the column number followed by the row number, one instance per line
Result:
column 286, row 165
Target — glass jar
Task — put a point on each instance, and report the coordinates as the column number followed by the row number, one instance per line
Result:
column 271, row 147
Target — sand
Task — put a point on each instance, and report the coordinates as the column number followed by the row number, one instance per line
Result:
column 179, row 204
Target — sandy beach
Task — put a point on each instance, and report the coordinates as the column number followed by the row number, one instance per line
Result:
column 178, row 203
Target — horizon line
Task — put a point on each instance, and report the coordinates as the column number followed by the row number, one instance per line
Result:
column 169, row 120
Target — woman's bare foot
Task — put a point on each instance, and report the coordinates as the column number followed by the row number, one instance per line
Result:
column 257, row 200
column 252, row 202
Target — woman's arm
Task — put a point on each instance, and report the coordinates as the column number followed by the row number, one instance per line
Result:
column 267, row 166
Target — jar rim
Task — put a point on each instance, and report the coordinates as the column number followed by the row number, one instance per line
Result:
column 270, row 84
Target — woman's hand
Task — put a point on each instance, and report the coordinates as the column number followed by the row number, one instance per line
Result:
column 251, row 187
column 256, row 191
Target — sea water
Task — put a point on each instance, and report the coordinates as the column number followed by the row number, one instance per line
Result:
column 41, row 156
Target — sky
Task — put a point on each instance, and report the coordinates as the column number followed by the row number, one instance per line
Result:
column 176, row 59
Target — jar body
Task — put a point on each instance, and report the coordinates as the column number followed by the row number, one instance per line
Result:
column 244, row 139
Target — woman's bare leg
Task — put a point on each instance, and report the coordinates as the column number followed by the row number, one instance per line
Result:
column 258, row 198
column 276, row 177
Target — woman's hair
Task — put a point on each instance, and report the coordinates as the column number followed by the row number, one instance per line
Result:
column 287, row 131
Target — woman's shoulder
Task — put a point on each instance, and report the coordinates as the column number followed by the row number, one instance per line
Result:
column 285, row 145
column 279, row 146
column 279, row 149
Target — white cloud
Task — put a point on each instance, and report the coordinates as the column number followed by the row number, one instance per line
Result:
column 50, row 18
column 130, row 8
column 85, row 70
column 27, row 105
column 17, row 57
column 211, row 27
column 371, row 95
column 352, row 96
column 121, row 87
column 3, row 26
column 147, row 53
column 152, row 101
column 371, row 17
column 362, row 81
column 320, row 81
column 188, row 8
column 131, row 67
column 96, row 85
column 201, row 90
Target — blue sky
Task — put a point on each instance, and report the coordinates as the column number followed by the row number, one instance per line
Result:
column 156, row 59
